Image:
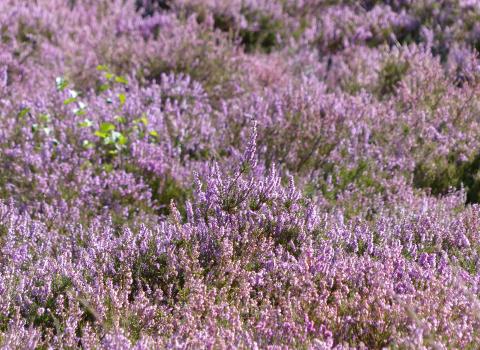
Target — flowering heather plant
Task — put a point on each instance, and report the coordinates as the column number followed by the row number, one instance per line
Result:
column 239, row 174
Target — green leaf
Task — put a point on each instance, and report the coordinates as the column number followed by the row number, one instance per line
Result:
column 102, row 68
column 104, row 87
column 107, row 127
column 142, row 120
column 153, row 133
column 121, row 80
column 109, row 75
column 122, row 98
column 79, row 111
column 69, row 100
column 23, row 112
column 87, row 144
column 85, row 124
column 108, row 167
column 44, row 118
column 61, row 83
column 122, row 139
column 100, row 134
column 120, row 119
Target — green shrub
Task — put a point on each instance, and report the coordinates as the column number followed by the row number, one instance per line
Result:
column 447, row 173
column 265, row 38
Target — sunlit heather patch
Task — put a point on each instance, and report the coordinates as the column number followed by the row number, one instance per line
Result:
column 239, row 174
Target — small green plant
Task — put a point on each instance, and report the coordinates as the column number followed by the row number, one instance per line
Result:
column 80, row 107
column 113, row 140
column 113, row 135
column 110, row 78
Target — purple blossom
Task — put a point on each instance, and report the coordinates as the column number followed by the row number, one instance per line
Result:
column 239, row 174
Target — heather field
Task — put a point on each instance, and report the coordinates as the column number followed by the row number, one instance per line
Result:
column 239, row 174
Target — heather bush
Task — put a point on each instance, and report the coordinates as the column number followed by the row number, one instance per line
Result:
column 239, row 174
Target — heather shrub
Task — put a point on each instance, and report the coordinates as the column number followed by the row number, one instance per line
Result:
column 266, row 37
column 239, row 174
column 390, row 76
column 150, row 7
column 448, row 173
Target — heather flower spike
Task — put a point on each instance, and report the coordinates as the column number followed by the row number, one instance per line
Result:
column 250, row 156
